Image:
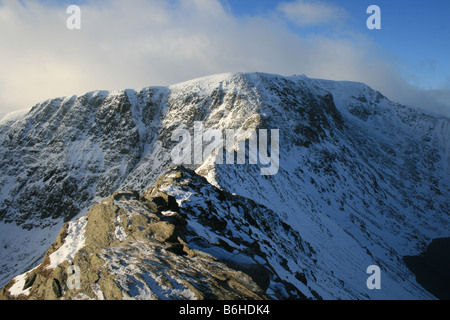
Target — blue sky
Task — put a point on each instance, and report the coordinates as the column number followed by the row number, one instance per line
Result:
column 138, row 43
column 416, row 31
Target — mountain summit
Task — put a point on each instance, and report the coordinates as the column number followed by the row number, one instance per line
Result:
column 361, row 181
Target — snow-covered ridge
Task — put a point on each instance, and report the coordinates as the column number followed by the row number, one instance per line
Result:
column 361, row 178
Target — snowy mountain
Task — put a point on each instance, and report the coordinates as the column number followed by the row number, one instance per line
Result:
column 361, row 181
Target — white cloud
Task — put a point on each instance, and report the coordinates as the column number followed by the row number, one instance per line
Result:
column 311, row 13
column 133, row 44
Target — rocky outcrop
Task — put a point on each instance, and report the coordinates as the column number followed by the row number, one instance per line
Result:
column 135, row 247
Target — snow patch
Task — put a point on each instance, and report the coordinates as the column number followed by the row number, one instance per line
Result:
column 17, row 288
column 120, row 231
column 169, row 213
column 74, row 241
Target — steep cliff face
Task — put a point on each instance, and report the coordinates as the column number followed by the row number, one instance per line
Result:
column 361, row 180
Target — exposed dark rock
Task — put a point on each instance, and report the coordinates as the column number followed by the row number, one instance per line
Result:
column 432, row 268
column 29, row 280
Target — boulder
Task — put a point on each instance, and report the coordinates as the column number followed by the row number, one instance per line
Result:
column 163, row 231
